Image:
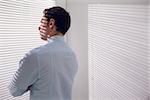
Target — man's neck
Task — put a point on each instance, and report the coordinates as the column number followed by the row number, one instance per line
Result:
column 57, row 34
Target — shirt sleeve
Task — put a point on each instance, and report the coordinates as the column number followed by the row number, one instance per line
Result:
column 25, row 76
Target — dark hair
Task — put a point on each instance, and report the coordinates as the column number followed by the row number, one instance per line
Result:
column 61, row 17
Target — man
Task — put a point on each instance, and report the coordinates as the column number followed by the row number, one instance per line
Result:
column 48, row 71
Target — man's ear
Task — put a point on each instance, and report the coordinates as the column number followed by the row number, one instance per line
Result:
column 51, row 23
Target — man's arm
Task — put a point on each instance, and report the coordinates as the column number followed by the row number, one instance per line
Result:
column 25, row 76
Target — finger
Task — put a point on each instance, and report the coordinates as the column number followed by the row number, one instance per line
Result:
column 44, row 21
column 43, row 31
column 44, row 18
column 42, row 27
column 43, row 38
column 43, row 34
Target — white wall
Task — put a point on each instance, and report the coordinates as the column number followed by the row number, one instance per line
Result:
column 78, row 39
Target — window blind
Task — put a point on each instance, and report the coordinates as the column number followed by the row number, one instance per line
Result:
column 149, row 45
column 118, row 52
column 19, row 21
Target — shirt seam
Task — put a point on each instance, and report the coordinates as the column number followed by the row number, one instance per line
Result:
column 38, row 64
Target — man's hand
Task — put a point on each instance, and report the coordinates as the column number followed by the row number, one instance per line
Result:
column 43, row 28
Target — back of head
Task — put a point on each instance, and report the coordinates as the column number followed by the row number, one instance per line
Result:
column 61, row 17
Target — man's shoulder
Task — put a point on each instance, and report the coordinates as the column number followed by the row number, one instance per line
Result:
column 35, row 51
column 54, row 48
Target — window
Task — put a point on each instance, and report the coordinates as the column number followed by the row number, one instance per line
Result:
column 118, row 52
column 19, row 21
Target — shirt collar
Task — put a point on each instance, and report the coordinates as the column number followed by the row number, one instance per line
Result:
column 56, row 38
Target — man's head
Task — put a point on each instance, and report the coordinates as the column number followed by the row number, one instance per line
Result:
column 58, row 20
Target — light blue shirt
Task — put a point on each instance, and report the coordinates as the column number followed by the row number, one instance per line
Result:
column 47, row 72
